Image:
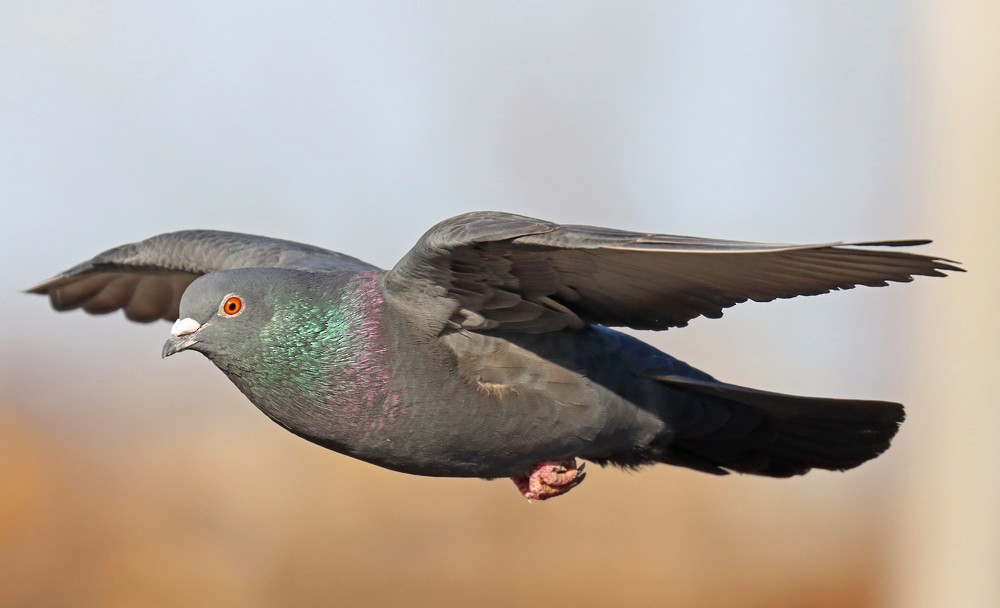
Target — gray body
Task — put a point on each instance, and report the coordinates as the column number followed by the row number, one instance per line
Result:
column 517, row 402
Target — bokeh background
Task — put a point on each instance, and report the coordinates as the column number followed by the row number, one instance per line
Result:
column 130, row 481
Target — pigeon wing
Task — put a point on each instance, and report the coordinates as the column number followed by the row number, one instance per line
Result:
column 516, row 273
column 146, row 279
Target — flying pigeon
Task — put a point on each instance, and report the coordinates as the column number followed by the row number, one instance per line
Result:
column 487, row 351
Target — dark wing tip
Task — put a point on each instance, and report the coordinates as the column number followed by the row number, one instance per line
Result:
column 895, row 243
column 45, row 286
column 946, row 264
column 41, row 288
column 938, row 263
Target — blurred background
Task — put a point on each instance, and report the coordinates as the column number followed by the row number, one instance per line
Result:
column 126, row 480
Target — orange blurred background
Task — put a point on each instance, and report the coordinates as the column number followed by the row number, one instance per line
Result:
column 131, row 481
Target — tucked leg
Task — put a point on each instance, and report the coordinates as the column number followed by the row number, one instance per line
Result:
column 550, row 479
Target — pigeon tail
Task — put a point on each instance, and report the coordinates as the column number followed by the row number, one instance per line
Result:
column 775, row 435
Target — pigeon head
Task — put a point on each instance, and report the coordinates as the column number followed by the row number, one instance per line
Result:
column 223, row 313
column 272, row 331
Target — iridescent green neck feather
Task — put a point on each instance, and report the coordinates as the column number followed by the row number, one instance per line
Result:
column 321, row 348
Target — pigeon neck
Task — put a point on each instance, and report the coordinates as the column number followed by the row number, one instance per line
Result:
column 321, row 358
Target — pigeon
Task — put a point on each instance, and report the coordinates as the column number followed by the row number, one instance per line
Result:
column 488, row 350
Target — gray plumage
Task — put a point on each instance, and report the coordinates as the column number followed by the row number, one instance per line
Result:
column 486, row 352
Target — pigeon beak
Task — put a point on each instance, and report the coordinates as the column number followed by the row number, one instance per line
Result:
column 181, row 336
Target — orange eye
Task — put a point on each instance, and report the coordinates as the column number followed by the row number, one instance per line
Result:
column 232, row 306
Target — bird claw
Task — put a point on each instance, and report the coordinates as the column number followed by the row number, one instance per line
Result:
column 549, row 478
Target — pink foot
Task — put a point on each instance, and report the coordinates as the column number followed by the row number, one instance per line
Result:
column 550, row 479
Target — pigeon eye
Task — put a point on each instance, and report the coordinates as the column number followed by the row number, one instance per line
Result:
column 231, row 306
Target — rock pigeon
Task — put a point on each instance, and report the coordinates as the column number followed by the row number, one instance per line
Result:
column 487, row 351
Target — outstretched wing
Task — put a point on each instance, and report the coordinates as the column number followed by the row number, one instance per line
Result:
column 497, row 270
column 146, row 279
